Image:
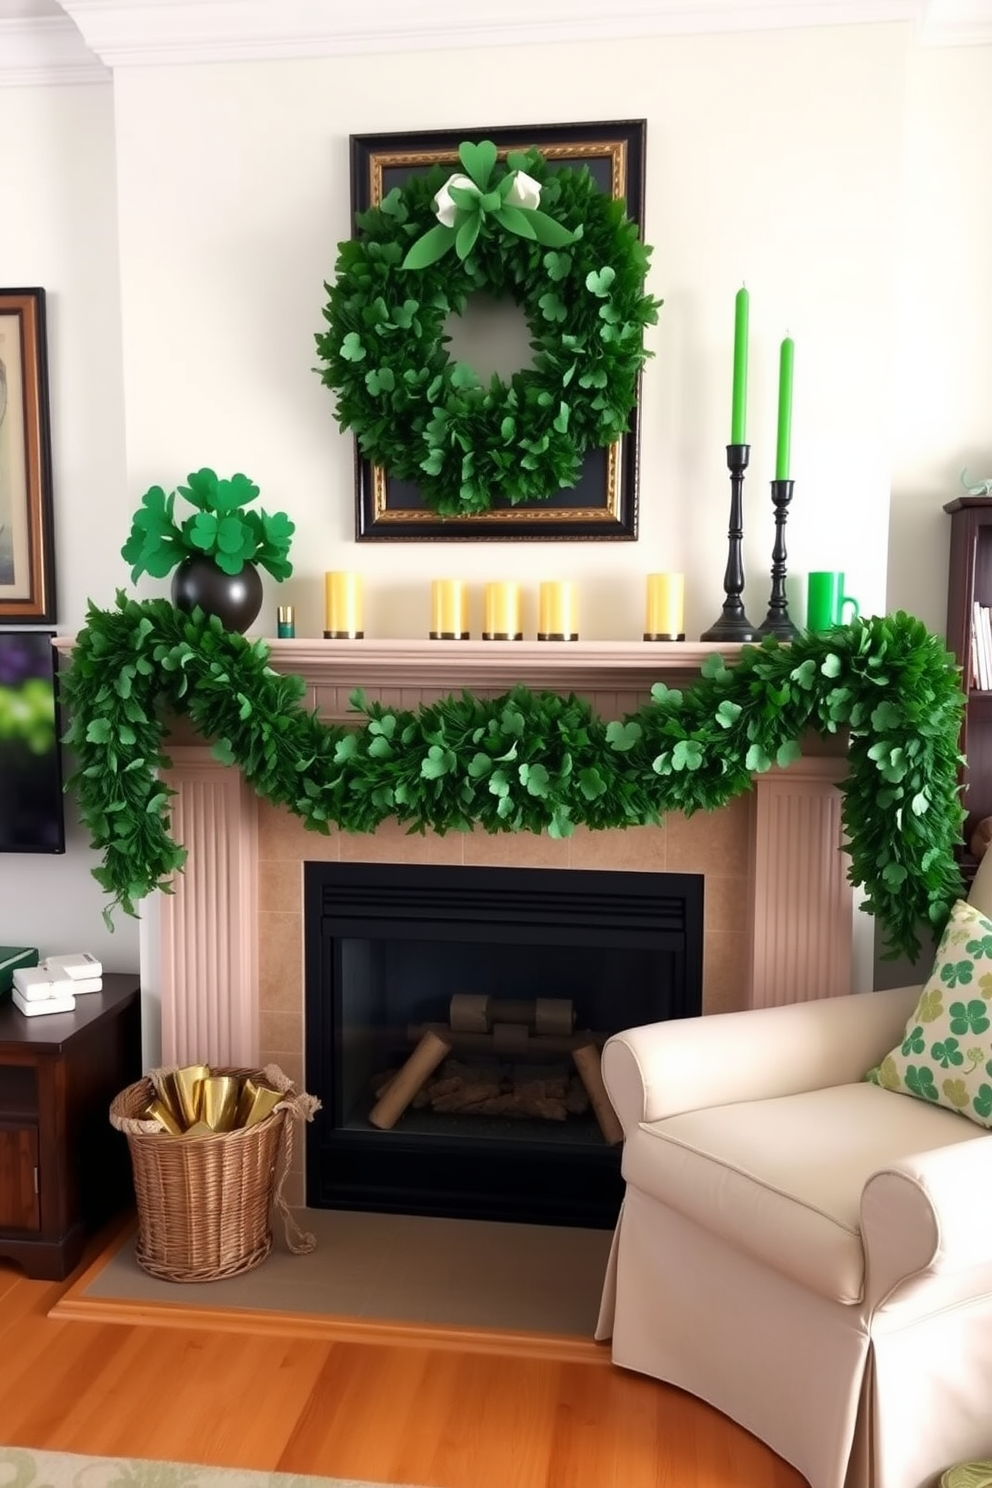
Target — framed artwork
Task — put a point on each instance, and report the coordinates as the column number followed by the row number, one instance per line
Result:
column 27, row 558
column 604, row 502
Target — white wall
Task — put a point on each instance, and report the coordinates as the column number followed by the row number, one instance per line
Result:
column 58, row 229
column 943, row 350
column 839, row 172
column 772, row 158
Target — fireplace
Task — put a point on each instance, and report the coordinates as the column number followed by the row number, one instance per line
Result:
column 390, row 950
column 224, row 963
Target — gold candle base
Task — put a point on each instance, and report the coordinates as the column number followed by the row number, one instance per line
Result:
column 663, row 636
column 450, row 635
column 344, row 635
column 502, row 635
column 557, row 635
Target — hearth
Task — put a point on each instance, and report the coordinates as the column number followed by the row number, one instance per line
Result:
column 388, row 947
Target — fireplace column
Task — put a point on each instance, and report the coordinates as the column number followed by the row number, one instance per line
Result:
column 802, row 906
column 209, row 925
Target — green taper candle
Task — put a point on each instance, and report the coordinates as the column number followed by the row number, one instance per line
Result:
column 783, row 449
column 738, row 417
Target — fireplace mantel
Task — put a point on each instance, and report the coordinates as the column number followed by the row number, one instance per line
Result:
column 574, row 666
column 792, row 883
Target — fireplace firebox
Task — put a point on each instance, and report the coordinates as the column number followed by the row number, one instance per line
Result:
column 388, row 947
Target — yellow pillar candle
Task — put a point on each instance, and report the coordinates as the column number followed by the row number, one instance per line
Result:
column 343, row 607
column 502, row 612
column 449, row 610
column 558, row 611
column 665, row 607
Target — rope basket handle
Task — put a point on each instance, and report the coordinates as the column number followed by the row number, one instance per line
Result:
column 297, row 1105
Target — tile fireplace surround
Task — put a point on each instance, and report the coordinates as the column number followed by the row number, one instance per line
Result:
column 778, row 910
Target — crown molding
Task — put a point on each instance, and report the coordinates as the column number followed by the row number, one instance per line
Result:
column 958, row 23
column 94, row 36
column 137, row 32
column 46, row 49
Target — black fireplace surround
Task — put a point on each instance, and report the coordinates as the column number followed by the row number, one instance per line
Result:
column 386, row 946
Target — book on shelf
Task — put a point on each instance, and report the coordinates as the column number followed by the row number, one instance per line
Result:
column 981, row 647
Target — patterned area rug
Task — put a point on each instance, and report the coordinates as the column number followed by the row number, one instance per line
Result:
column 22, row 1467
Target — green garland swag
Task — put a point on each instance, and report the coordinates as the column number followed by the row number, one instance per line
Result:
column 577, row 269
column 527, row 761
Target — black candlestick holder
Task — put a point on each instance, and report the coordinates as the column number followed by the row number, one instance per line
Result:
column 777, row 622
column 733, row 624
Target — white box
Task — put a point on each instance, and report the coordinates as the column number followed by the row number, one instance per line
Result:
column 79, row 965
column 89, row 984
column 34, row 982
column 37, row 1006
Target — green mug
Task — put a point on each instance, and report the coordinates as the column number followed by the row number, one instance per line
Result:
column 826, row 600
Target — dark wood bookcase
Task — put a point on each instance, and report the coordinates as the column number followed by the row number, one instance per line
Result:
column 970, row 581
column 64, row 1170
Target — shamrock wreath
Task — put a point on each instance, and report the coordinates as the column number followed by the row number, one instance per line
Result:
column 563, row 250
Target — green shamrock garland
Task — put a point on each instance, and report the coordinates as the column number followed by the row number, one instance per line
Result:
column 527, row 761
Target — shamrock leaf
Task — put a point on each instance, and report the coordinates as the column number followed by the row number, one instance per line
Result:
column 478, row 161
column 921, row 1082
column 971, row 1017
column 623, row 736
column 914, row 1042
column 551, row 307
column 983, row 1102
column 956, row 1093
column 352, row 349
column 599, row 283
column 687, row 755
column 535, row 778
column 437, row 762
column 557, row 265
column 380, row 381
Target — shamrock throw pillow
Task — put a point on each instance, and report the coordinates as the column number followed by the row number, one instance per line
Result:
column 946, row 1052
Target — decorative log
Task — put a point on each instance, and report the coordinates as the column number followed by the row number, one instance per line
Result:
column 431, row 1049
column 481, row 1043
column 588, row 1063
column 554, row 1015
column 469, row 1012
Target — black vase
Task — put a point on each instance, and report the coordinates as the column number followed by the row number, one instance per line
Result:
column 235, row 598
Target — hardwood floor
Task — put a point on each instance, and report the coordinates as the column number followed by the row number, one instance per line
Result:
column 408, row 1414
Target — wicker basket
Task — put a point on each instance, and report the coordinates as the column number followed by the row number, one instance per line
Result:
column 204, row 1203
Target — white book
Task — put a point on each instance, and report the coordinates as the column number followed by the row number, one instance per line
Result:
column 984, row 648
column 979, row 646
column 37, row 982
column 79, row 965
column 90, row 984
column 36, row 1007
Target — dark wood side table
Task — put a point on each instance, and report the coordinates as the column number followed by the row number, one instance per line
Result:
column 64, row 1170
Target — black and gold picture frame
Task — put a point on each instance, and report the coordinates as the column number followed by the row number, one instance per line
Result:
column 27, row 555
column 603, row 505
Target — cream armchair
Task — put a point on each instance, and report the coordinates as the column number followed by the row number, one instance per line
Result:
column 808, row 1252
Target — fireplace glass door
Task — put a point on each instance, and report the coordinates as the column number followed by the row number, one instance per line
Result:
column 454, row 1018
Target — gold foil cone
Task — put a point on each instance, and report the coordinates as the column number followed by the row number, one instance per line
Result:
column 257, row 1102
column 200, row 1129
column 179, row 1091
column 219, row 1101
column 157, row 1110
